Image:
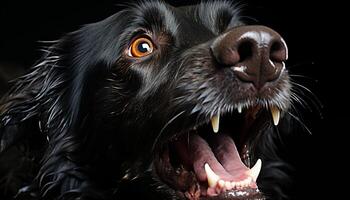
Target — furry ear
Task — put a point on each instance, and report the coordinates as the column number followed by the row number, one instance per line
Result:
column 21, row 108
column 51, row 92
column 42, row 104
column 51, row 101
column 48, row 97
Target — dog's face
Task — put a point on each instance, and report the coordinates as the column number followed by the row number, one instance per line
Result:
column 172, row 97
column 178, row 75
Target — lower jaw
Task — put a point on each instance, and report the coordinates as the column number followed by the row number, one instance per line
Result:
column 188, row 186
column 238, row 194
column 246, row 194
column 191, row 189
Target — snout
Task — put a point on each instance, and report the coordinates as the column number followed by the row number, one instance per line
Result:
column 255, row 53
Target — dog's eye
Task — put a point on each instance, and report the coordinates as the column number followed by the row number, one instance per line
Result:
column 140, row 47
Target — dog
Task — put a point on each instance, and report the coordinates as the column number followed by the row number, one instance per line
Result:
column 154, row 102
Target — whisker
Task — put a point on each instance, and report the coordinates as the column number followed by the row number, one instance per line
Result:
column 249, row 19
column 301, row 101
column 304, row 77
column 305, row 63
column 301, row 123
column 164, row 127
column 294, row 109
column 305, row 88
column 299, row 89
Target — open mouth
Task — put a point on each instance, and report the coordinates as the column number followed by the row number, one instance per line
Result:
column 212, row 160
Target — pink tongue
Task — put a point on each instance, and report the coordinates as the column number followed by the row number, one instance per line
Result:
column 223, row 157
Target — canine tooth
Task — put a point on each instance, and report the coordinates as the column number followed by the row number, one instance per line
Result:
column 249, row 180
column 239, row 108
column 211, row 176
column 275, row 112
column 215, row 120
column 255, row 170
column 221, row 183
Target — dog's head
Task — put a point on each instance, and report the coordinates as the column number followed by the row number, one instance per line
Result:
column 174, row 97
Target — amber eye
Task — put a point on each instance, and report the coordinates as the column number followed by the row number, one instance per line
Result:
column 141, row 47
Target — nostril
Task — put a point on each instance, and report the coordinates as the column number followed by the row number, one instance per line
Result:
column 245, row 51
column 278, row 52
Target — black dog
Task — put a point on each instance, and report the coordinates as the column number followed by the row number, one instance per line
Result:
column 129, row 107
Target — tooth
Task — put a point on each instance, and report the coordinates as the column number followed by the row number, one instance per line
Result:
column 215, row 120
column 239, row 185
column 239, row 108
column 275, row 112
column 228, row 185
column 211, row 176
column 221, row 183
column 246, row 182
column 255, row 170
column 249, row 180
column 233, row 185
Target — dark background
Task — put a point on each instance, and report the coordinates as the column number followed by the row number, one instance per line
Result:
column 317, row 39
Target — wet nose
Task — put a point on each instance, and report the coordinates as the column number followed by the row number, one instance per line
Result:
column 255, row 53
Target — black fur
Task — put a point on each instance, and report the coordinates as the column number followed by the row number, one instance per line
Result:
column 97, row 116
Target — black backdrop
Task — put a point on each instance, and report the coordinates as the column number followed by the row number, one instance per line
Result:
column 317, row 39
